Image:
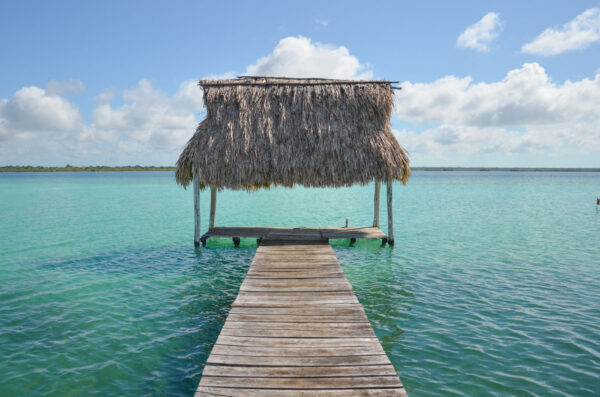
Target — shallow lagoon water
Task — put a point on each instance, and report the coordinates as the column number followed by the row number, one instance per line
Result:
column 493, row 287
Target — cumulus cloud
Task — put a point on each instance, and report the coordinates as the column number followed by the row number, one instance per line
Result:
column 526, row 96
column 300, row 57
column 479, row 35
column 104, row 97
column 150, row 118
column 32, row 110
column 524, row 112
column 142, row 124
column 147, row 127
column 577, row 34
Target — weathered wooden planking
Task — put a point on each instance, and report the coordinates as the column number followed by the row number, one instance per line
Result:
column 301, row 235
column 315, row 361
column 297, row 329
column 299, row 372
column 245, row 392
column 302, row 383
column 286, row 341
column 297, row 319
column 269, row 351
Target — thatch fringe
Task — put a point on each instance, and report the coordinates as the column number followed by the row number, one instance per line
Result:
column 263, row 131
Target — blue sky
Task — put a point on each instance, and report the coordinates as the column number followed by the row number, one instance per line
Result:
column 112, row 82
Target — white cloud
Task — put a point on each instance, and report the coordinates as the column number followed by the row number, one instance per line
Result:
column 32, row 110
column 526, row 96
column 150, row 118
column 149, row 127
column 104, row 97
column 141, row 125
column 300, row 57
column 577, row 34
column 479, row 35
column 524, row 112
column 469, row 140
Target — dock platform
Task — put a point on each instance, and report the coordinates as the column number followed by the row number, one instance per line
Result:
column 296, row 327
column 296, row 234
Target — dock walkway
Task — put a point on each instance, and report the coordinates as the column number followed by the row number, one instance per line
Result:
column 296, row 328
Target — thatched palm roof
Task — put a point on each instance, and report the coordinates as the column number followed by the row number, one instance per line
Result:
column 313, row 132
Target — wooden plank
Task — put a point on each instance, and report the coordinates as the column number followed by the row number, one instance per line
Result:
column 245, row 392
column 328, row 266
column 296, row 372
column 295, row 287
column 295, row 342
column 268, row 351
column 299, row 295
column 288, row 300
column 295, row 274
column 303, row 383
column 297, row 234
column 289, row 333
column 284, row 257
column 293, row 266
column 296, row 319
column 308, row 326
column 339, row 310
column 297, row 328
column 296, row 282
column 231, row 359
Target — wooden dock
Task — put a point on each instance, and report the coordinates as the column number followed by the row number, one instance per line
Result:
column 297, row 234
column 297, row 329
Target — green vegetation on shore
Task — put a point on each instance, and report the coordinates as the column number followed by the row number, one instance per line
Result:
column 513, row 169
column 93, row 168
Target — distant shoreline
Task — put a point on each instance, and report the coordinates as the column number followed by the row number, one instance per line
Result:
column 91, row 168
column 29, row 168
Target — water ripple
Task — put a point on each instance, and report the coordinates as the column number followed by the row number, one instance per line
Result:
column 493, row 287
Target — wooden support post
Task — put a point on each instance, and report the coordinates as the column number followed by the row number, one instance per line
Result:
column 213, row 207
column 390, row 214
column 376, row 204
column 236, row 241
column 196, row 209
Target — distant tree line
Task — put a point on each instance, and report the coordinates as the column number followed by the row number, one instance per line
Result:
column 90, row 168
column 93, row 168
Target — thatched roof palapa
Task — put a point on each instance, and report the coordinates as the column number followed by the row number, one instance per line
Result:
column 260, row 131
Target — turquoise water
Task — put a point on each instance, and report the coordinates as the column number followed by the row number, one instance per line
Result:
column 493, row 287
